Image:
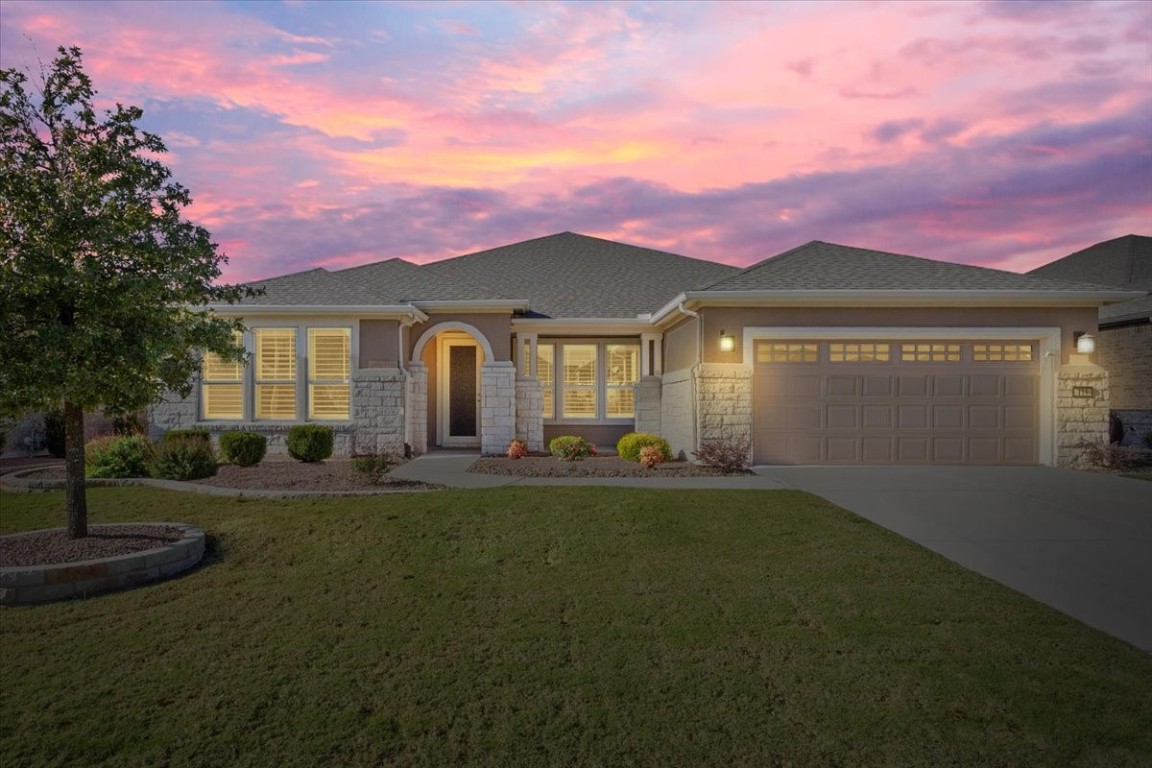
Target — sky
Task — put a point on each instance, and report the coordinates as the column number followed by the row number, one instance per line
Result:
column 1002, row 134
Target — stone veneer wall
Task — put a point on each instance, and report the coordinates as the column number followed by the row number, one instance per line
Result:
column 723, row 401
column 1126, row 353
column 648, row 405
column 379, row 400
column 418, row 407
column 497, row 406
column 678, row 412
column 530, row 412
column 1079, row 418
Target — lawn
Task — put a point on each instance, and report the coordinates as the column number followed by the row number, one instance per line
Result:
column 575, row 626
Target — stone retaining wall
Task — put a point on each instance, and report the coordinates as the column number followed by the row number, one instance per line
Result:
column 26, row 585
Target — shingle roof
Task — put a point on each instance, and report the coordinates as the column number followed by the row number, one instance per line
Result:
column 316, row 287
column 1123, row 262
column 820, row 266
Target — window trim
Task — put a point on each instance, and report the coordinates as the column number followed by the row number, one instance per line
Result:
column 240, row 337
column 601, row 387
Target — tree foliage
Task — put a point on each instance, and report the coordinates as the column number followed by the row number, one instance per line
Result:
column 104, row 286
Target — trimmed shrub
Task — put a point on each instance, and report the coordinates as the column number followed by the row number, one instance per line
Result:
column 1100, row 455
column 186, row 458
column 651, row 455
column 629, row 446
column 196, row 433
column 117, row 457
column 729, row 456
column 244, row 449
column 373, row 466
column 517, row 449
column 310, row 442
column 54, row 432
column 571, row 448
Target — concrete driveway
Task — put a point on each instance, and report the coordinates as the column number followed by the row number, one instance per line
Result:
column 1077, row 541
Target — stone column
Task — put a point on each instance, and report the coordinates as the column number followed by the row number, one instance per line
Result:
column 418, row 407
column 723, row 402
column 378, row 402
column 648, row 405
column 173, row 412
column 497, row 406
column 1081, row 409
column 530, row 412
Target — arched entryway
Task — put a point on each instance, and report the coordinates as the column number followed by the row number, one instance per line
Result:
column 453, row 356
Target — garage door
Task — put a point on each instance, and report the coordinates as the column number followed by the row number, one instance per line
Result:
column 896, row 402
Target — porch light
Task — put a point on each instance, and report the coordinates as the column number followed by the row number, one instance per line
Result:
column 727, row 343
column 1085, row 343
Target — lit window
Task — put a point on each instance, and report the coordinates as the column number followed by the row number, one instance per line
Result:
column 329, row 373
column 776, row 352
column 1001, row 353
column 546, row 373
column 275, row 373
column 930, row 353
column 623, row 372
column 579, row 382
column 858, row 353
column 222, row 390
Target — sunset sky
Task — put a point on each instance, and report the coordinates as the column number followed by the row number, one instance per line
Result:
column 1005, row 134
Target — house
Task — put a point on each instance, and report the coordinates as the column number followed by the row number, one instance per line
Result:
column 1125, row 328
column 822, row 354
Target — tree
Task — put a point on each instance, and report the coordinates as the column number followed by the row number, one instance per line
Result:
column 104, row 286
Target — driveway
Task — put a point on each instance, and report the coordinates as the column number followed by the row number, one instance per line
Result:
column 1077, row 541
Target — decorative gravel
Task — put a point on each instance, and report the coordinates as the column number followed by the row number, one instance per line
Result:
column 599, row 466
column 49, row 547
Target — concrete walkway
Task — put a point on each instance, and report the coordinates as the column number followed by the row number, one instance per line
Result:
column 1078, row 541
column 451, row 469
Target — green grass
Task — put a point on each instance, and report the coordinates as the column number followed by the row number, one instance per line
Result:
column 1141, row 475
column 575, row 626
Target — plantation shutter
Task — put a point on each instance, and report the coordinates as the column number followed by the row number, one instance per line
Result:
column 222, row 390
column 329, row 373
column 275, row 373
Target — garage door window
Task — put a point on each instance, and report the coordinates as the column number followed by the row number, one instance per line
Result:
column 787, row 353
column 858, row 353
column 930, row 353
column 1002, row 353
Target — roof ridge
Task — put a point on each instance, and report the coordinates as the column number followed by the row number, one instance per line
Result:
column 762, row 262
column 290, row 274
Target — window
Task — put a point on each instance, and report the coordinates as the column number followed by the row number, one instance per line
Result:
column 329, row 373
column 222, row 390
column 275, row 373
column 579, row 382
column 546, row 373
column 858, row 353
column 930, row 353
column 622, row 362
column 1001, row 353
column 772, row 352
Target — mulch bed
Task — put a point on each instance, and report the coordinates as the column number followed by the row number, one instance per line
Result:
column 598, row 466
column 51, row 547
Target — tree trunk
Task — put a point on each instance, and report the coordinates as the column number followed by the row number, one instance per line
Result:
column 76, row 497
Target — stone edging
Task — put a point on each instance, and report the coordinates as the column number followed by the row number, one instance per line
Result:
column 31, row 584
column 14, row 482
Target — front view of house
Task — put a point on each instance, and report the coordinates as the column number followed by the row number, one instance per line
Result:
column 824, row 354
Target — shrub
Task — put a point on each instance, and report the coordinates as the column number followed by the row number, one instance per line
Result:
column 196, row 433
column 184, row 458
column 373, row 465
column 517, row 449
column 244, row 449
column 651, row 455
column 129, row 424
column 310, row 442
column 629, row 446
column 54, row 432
column 728, row 456
column 571, row 448
column 117, row 457
column 1100, row 455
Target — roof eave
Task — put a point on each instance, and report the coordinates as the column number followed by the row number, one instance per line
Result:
column 581, row 325
column 377, row 311
column 474, row 306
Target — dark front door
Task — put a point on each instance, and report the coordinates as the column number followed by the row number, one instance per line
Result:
column 463, row 394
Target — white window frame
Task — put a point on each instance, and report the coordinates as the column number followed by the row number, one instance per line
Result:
column 241, row 382
column 601, row 385
column 302, row 366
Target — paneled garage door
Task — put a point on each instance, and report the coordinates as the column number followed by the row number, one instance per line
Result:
column 896, row 402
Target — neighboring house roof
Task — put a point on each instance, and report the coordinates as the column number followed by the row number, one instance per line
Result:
column 1123, row 262
column 820, row 266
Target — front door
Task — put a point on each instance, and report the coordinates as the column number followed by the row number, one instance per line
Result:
column 459, row 418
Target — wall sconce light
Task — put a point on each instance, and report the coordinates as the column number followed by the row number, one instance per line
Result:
column 727, row 343
column 1085, row 342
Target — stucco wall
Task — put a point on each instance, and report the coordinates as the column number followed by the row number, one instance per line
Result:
column 680, row 346
column 497, row 328
column 678, row 411
column 379, row 344
column 1126, row 353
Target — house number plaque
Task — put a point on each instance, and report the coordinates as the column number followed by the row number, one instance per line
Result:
column 1083, row 392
